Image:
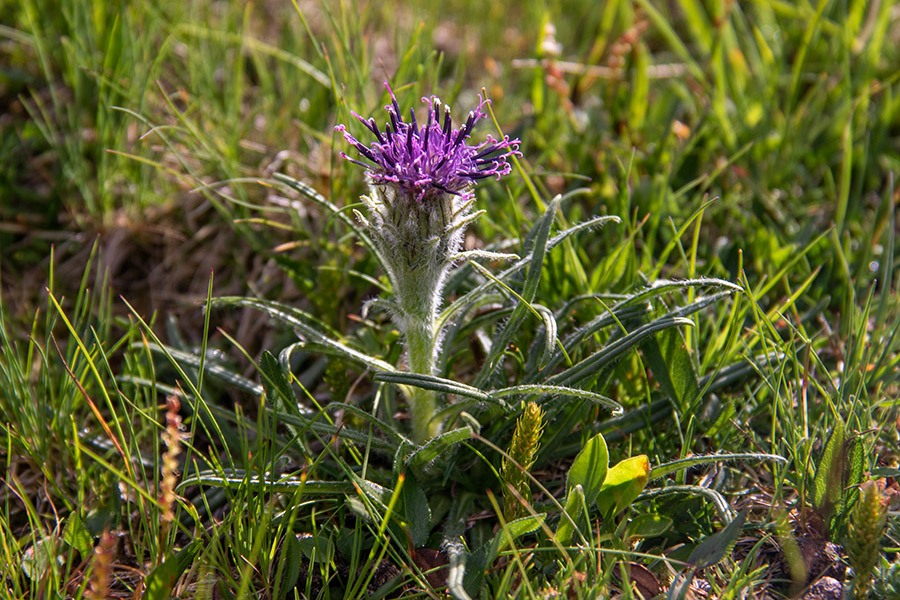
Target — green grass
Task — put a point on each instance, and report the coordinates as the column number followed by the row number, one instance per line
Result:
column 750, row 150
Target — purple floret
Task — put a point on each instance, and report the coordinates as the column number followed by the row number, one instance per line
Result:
column 431, row 160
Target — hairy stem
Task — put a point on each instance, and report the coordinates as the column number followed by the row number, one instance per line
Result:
column 420, row 343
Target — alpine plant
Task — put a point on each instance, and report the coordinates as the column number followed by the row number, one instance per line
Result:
column 421, row 181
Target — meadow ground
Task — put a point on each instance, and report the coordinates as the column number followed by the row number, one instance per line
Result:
column 684, row 385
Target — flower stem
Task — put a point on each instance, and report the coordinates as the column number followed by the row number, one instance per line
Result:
column 420, row 343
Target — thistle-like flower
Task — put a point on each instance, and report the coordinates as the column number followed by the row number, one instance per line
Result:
column 426, row 162
column 421, row 180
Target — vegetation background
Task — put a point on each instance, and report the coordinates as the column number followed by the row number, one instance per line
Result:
column 750, row 142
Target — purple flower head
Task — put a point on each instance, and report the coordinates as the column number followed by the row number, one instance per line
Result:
column 434, row 159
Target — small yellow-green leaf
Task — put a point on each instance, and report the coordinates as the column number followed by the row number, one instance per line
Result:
column 624, row 482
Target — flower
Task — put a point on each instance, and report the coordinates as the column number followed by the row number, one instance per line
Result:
column 434, row 159
column 419, row 204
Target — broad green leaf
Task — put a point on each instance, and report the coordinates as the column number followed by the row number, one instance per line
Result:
column 416, row 513
column 668, row 357
column 162, row 579
column 716, row 547
column 624, row 482
column 292, row 560
column 589, row 469
column 316, row 548
column 77, row 535
column 647, row 526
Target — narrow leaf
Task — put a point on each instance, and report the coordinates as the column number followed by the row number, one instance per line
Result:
column 512, row 531
column 427, row 453
column 662, row 470
column 435, row 384
column 559, row 390
column 716, row 547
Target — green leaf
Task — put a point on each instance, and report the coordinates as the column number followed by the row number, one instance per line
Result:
column 681, row 464
column 435, row 384
column 292, row 560
column 437, row 446
column 647, row 526
column 559, row 390
column 316, row 548
column 667, row 355
column 512, row 531
column 236, row 478
column 77, row 535
column 416, row 513
column 589, row 469
column 309, row 331
column 827, row 485
column 573, row 509
column 162, row 579
column 276, row 382
column 535, row 248
column 624, row 482
column 588, row 367
column 886, row 472
column 716, row 547
column 717, row 500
